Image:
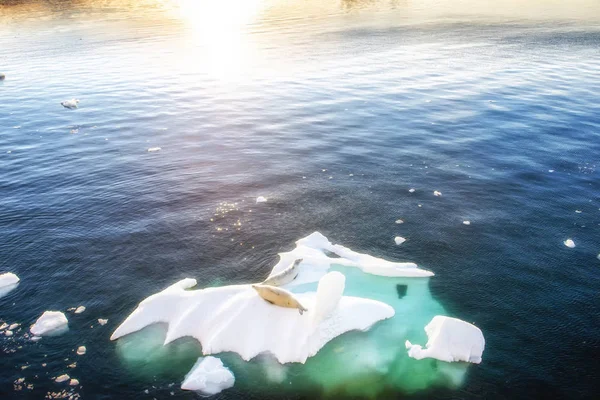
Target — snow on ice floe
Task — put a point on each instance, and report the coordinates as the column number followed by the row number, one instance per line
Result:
column 208, row 377
column 216, row 316
column 50, row 323
column 569, row 243
column 450, row 339
column 399, row 240
column 8, row 282
column 261, row 199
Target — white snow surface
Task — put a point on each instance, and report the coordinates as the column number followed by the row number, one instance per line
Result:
column 8, row 279
column 450, row 339
column 208, row 376
column 51, row 322
column 215, row 316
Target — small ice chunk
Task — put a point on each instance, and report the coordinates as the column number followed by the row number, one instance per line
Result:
column 102, row 321
column 13, row 327
column 399, row 240
column 411, row 190
column 350, row 174
column 578, row 211
column 8, row 333
column 569, row 243
column 261, row 199
column 73, row 382
column 81, row 350
column 35, row 338
column 3, row 326
column 550, row 170
column 79, row 310
column 208, row 376
column 8, row 279
column 467, row 222
column 437, row 193
column 51, row 322
column 70, row 104
column 62, row 378
column 399, row 221
column 153, row 149
column 450, row 339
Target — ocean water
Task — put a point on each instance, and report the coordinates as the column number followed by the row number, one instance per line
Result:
column 332, row 110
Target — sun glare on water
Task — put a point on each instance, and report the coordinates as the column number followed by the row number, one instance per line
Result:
column 219, row 31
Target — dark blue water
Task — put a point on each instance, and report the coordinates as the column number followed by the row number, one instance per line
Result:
column 500, row 111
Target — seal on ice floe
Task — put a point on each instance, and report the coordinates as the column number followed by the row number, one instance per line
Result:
column 279, row 297
column 285, row 276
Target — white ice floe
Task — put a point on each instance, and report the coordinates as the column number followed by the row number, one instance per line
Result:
column 62, row 378
column 216, row 316
column 102, row 321
column 208, row 377
column 8, row 282
column 437, row 193
column 81, row 350
column 450, row 339
column 467, row 222
column 261, row 199
column 153, row 149
column 70, row 104
column 569, row 243
column 79, row 310
column 411, row 190
column 50, row 323
column 8, row 279
column 8, row 333
column 73, row 382
column 399, row 221
column 399, row 240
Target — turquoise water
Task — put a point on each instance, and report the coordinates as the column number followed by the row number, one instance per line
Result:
column 495, row 106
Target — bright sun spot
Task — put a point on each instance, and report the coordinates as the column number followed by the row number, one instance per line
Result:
column 220, row 30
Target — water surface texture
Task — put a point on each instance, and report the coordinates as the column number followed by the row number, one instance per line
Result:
column 333, row 110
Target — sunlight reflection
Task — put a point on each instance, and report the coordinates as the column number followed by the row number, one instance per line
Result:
column 219, row 29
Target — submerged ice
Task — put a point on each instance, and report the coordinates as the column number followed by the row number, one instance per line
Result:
column 362, row 309
column 208, row 377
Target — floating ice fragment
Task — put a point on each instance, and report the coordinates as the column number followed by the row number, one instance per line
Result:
column 50, row 323
column 8, row 279
column 102, row 321
column 411, row 190
column 399, row 240
column 79, row 310
column 35, row 338
column 208, row 376
column 550, row 170
column 70, row 104
column 437, row 193
column 8, row 333
column 569, row 243
column 3, row 326
column 81, row 350
column 153, row 149
column 261, row 199
column 399, row 221
column 73, row 382
column 578, row 211
column 13, row 327
column 62, row 378
column 450, row 339
column 350, row 174
column 8, row 282
column 467, row 222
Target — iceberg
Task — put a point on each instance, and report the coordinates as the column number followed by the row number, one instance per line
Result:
column 216, row 316
column 8, row 282
column 349, row 344
column 450, row 339
column 208, row 377
column 50, row 323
